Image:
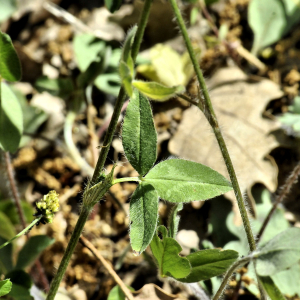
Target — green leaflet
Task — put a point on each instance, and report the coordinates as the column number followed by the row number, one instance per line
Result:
column 126, row 66
column 32, row 249
column 143, row 216
column 139, row 135
column 178, row 180
column 5, row 287
column 10, row 67
column 157, row 91
column 166, row 252
column 270, row 287
column 209, row 263
column 11, row 120
column 116, row 293
column 280, row 253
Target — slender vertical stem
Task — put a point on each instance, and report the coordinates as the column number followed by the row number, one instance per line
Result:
column 101, row 160
column 68, row 253
column 122, row 95
column 211, row 117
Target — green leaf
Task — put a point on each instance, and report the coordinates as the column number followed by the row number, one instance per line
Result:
column 139, row 134
column 271, row 289
column 20, row 277
column 271, row 19
column 174, row 219
column 9, row 209
column 126, row 51
column 166, row 252
column 10, row 67
column 5, row 257
column 113, row 5
column 157, row 91
column 5, row 287
column 11, row 120
column 7, row 230
column 209, row 263
column 280, row 253
column 32, row 249
column 126, row 78
column 18, row 292
column 178, row 180
column 87, row 49
column 60, row 87
column 267, row 20
column 116, row 293
column 143, row 216
column 108, row 83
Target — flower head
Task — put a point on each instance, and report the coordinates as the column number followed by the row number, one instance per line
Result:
column 47, row 207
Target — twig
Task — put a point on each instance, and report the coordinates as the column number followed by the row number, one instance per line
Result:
column 290, row 181
column 13, row 187
column 107, row 266
column 188, row 99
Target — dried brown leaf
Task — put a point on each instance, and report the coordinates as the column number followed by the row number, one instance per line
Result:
column 239, row 106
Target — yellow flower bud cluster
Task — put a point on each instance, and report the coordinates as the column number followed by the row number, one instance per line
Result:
column 47, row 206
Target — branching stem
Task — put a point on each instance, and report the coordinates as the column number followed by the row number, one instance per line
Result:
column 211, row 117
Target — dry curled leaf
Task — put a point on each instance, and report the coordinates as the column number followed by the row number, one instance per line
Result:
column 239, row 105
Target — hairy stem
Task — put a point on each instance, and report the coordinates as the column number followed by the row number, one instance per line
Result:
column 68, row 253
column 125, row 179
column 290, row 181
column 101, row 160
column 229, row 273
column 122, row 95
column 22, row 232
column 211, row 117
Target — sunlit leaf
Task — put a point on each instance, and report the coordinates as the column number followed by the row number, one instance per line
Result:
column 5, row 287
column 139, row 134
column 271, row 289
column 178, row 180
column 157, row 91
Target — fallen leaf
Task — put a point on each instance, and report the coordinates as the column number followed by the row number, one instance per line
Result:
column 153, row 292
column 239, row 106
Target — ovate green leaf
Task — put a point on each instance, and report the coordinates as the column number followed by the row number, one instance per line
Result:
column 7, row 230
column 5, row 257
column 143, row 216
column 60, row 87
column 139, row 135
column 11, row 120
column 87, row 48
column 5, row 287
column 32, row 249
column 178, row 180
column 271, row 289
column 157, row 91
column 209, row 263
column 10, row 67
column 280, row 253
column 113, row 5
column 20, row 277
column 166, row 252
column 116, row 293
column 18, row 292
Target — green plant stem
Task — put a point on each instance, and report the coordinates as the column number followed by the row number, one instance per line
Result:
column 212, row 119
column 101, row 160
column 84, row 214
column 229, row 273
column 22, row 232
column 125, row 179
column 122, row 95
column 188, row 99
